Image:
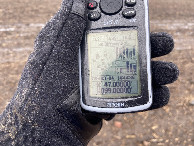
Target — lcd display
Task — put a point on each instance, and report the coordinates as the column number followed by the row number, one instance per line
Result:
column 113, row 64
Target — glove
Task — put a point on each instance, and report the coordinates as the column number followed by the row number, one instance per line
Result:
column 45, row 109
column 162, row 72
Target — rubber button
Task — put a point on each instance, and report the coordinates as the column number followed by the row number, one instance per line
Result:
column 92, row 5
column 129, row 13
column 94, row 16
column 130, row 2
column 111, row 6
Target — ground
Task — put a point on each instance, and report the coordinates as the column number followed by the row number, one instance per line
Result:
column 20, row 22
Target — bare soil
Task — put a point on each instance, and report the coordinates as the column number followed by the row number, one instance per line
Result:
column 20, row 22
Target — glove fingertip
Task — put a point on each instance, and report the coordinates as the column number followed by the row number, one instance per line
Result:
column 164, row 72
column 161, row 96
column 162, row 43
column 175, row 70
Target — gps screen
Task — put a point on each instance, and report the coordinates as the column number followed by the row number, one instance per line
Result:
column 113, row 64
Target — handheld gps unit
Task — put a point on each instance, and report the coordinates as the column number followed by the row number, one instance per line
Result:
column 115, row 74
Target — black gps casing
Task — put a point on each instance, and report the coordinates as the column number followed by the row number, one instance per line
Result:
column 111, row 16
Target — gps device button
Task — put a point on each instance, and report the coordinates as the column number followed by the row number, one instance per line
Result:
column 92, row 5
column 111, row 6
column 130, row 2
column 129, row 13
column 94, row 16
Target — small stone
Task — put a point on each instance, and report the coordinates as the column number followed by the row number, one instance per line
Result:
column 155, row 135
column 154, row 140
column 118, row 124
column 155, row 127
column 176, row 139
column 4, row 44
column 146, row 143
column 167, row 109
column 106, row 123
column 130, row 136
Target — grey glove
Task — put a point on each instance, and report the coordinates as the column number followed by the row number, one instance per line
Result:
column 162, row 72
column 45, row 109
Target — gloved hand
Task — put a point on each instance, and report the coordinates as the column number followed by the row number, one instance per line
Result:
column 45, row 109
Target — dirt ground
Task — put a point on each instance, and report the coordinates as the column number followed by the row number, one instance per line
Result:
column 173, row 125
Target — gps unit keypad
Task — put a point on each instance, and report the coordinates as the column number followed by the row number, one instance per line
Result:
column 92, row 5
column 129, row 13
column 130, row 2
column 111, row 7
column 94, row 16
